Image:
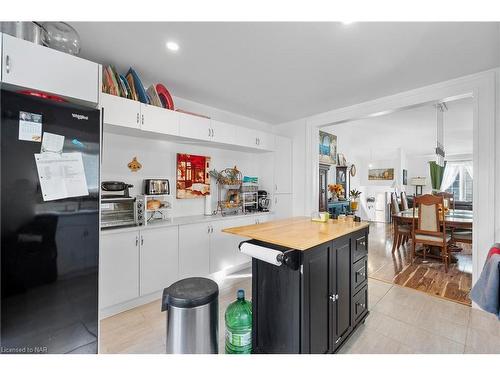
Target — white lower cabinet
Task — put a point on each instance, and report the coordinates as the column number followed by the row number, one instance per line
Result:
column 194, row 250
column 119, row 268
column 282, row 206
column 138, row 263
column 159, row 259
column 224, row 252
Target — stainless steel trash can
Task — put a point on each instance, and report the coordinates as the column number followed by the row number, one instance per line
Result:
column 192, row 307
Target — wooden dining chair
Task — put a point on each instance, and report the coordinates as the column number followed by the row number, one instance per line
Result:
column 449, row 199
column 404, row 201
column 429, row 229
column 402, row 233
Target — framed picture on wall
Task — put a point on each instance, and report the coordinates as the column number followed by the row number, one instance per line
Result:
column 381, row 174
column 327, row 148
column 193, row 180
column 405, row 177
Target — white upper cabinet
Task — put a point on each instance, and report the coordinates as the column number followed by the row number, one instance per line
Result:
column 120, row 111
column 282, row 165
column 194, row 127
column 223, row 132
column 265, row 141
column 159, row 120
column 29, row 65
column 253, row 138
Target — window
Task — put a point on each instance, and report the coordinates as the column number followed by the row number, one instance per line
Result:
column 462, row 184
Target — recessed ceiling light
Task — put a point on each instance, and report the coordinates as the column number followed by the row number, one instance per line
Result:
column 172, row 46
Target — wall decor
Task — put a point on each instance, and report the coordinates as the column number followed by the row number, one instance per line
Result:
column 381, row 174
column 352, row 170
column 327, row 148
column 341, row 160
column 193, row 180
column 405, row 177
column 134, row 165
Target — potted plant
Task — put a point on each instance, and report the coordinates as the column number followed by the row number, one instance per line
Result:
column 354, row 195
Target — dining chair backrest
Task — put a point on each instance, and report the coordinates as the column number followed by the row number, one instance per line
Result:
column 428, row 215
column 404, row 201
column 394, row 203
column 448, row 197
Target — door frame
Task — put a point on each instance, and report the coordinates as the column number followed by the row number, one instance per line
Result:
column 481, row 88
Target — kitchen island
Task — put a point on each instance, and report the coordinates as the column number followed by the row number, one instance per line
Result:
column 318, row 296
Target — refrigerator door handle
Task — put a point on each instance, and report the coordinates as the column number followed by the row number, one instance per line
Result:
column 7, row 64
column 102, row 136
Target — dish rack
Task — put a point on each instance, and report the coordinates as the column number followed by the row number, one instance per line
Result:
column 249, row 194
column 153, row 208
column 228, row 190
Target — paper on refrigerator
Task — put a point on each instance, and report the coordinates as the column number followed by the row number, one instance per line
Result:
column 61, row 175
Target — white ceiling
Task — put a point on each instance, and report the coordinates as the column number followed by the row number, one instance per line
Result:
column 277, row 72
column 414, row 130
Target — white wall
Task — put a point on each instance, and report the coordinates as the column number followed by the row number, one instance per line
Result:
column 158, row 159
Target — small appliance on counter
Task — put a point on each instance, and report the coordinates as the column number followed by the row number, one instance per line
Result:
column 263, row 200
column 156, row 186
column 118, row 208
column 115, row 189
column 153, row 208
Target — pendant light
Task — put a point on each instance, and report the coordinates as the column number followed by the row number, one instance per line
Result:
column 440, row 154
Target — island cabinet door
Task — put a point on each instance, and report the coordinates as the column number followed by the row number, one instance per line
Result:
column 317, row 313
column 340, row 287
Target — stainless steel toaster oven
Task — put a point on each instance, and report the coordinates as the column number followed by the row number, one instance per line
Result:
column 118, row 212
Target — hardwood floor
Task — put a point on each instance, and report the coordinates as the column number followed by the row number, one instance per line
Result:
column 429, row 276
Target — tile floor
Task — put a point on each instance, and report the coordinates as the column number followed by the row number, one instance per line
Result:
column 401, row 320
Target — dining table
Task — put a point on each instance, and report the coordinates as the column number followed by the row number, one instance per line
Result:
column 454, row 219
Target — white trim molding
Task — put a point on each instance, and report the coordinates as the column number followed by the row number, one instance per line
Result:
column 481, row 87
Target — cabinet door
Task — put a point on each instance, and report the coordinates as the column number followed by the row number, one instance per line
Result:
column 121, row 111
column 282, row 206
column 265, row 141
column 224, row 251
column 194, row 127
column 119, row 268
column 28, row 65
column 340, row 286
column 317, row 308
column 194, row 250
column 283, row 165
column 246, row 137
column 159, row 120
column 223, row 132
column 159, row 259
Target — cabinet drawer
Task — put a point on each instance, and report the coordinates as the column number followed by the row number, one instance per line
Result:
column 359, row 274
column 360, row 303
column 360, row 247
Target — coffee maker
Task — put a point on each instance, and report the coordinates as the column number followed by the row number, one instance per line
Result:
column 263, row 201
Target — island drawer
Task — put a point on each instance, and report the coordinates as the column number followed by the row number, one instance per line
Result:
column 359, row 274
column 360, row 304
column 360, row 246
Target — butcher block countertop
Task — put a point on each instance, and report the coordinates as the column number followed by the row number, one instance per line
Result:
column 298, row 233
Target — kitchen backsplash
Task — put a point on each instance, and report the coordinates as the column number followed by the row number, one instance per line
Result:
column 158, row 159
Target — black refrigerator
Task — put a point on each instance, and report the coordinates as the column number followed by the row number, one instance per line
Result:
column 49, row 247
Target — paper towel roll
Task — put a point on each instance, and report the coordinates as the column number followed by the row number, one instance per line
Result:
column 208, row 205
column 262, row 253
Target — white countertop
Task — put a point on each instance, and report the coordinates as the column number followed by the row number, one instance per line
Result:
column 182, row 220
